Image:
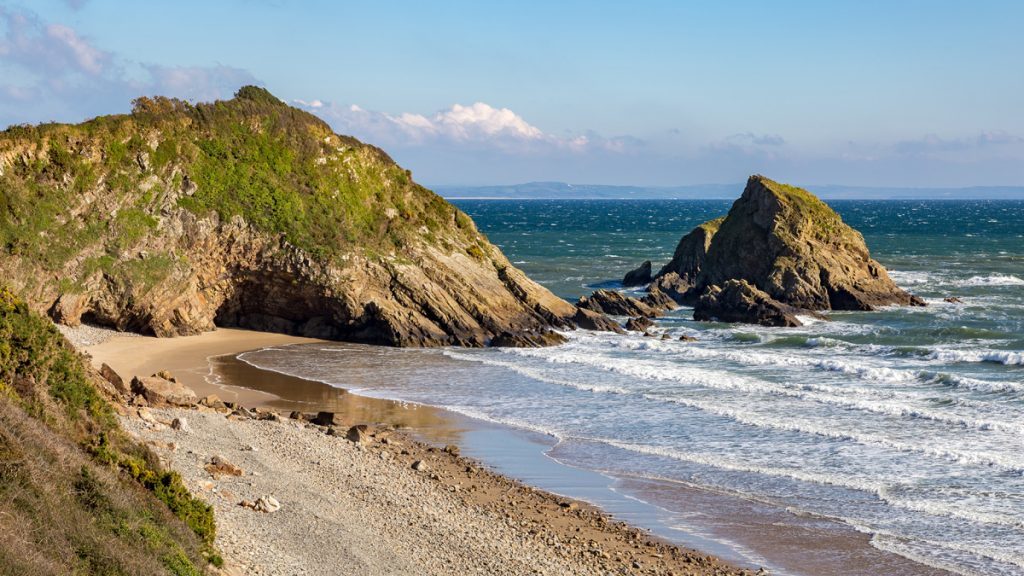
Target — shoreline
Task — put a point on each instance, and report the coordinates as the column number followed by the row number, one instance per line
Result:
column 799, row 547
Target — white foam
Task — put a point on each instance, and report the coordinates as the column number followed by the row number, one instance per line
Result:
column 991, row 280
column 911, row 278
column 1006, row 357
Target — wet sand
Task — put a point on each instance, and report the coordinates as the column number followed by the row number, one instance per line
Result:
column 749, row 534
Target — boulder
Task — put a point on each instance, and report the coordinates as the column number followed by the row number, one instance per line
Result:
column 159, row 392
column 219, row 467
column 538, row 339
column 267, row 504
column 213, row 401
column 675, row 288
column 952, row 300
column 615, row 303
column 326, row 419
column 590, row 320
column 358, row 434
column 739, row 301
column 687, row 338
column 639, row 324
column 115, row 380
column 419, row 466
column 638, row 276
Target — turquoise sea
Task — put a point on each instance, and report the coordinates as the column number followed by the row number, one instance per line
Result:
column 906, row 424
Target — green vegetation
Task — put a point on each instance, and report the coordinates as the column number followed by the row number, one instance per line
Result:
column 712, row 226
column 77, row 496
column 279, row 168
column 824, row 222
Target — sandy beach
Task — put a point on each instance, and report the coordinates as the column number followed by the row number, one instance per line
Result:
column 362, row 508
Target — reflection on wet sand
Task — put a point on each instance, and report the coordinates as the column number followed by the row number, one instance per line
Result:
column 293, row 393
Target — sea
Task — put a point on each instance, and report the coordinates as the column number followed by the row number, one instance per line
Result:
column 905, row 424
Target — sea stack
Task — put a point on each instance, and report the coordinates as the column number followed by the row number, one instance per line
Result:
column 792, row 252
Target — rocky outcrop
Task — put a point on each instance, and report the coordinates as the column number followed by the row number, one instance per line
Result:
column 788, row 250
column 639, row 324
column 639, row 276
column 249, row 213
column 739, row 301
column 680, row 276
column 616, row 304
column 590, row 320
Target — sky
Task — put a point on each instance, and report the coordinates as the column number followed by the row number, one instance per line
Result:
column 654, row 93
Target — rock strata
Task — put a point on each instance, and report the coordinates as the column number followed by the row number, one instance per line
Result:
column 616, row 304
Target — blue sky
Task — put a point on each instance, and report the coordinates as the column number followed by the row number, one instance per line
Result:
column 869, row 93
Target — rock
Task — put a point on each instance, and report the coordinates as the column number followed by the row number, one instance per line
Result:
column 672, row 286
column 296, row 415
column 115, row 380
column 419, row 466
column 531, row 339
column 688, row 260
column 589, row 320
column 68, row 309
column 326, row 419
column 358, row 434
column 739, row 301
column 219, row 467
column 160, row 392
column 568, row 505
column 267, row 504
column 165, row 375
column 658, row 300
column 415, row 271
column 180, row 424
column 616, row 304
column 212, row 401
column 790, row 245
column 687, row 338
column 639, row 324
column 639, row 276
column 952, row 300
column 452, row 449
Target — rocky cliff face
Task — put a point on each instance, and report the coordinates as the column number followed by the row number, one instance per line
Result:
column 789, row 251
column 249, row 213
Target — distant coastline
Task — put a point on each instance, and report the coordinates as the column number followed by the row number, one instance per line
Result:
column 566, row 191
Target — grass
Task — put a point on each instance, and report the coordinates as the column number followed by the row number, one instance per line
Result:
column 77, row 496
column 280, row 169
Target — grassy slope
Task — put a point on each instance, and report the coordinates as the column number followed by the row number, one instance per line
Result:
column 77, row 198
column 77, row 496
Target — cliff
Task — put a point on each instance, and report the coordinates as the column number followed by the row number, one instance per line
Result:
column 791, row 251
column 250, row 213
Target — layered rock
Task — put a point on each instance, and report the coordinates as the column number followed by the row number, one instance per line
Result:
column 179, row 218
column 590, row 320
column 789, row 251
column 616, row 304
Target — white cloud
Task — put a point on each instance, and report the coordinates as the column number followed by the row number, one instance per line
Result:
column 49, row 71
column 87, row 56
column 475, row 125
